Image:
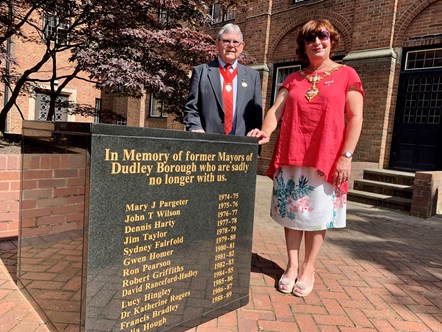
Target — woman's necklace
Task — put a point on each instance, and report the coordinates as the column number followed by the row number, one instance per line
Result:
column 315, row 79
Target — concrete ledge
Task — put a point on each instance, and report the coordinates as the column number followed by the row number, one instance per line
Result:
column 371, row 54
column 260, row 68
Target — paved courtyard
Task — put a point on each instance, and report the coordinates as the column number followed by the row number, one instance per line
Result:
column 381, row 273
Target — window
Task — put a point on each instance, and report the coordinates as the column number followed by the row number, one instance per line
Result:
column 423, row 100
column 122, row 121
column 221, row 14
column 42, row 101
column 121, row 88
column 424, row 59
column 97, row 110
column 281, row 74
column 163, row 17
column 56, row 29
column 157, row 108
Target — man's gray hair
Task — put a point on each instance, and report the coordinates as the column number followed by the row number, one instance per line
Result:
column 229, row 28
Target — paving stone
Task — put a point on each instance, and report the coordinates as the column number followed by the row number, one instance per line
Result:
column 381, row 273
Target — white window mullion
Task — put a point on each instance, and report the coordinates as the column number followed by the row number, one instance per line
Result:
column 424, row 59
column 281, row 75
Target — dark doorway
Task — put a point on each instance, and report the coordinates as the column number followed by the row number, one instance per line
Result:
column 417, row 132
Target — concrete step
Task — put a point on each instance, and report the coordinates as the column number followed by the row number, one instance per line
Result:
column 386, row 201
column 389, row 176
column 384, row 188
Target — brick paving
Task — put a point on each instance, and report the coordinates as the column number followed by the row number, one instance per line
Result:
column 381, row 273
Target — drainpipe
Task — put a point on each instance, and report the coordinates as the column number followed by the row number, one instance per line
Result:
column 7, row 68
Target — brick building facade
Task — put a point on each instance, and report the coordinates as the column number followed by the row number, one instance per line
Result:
column 395, row 46
column 33, row 104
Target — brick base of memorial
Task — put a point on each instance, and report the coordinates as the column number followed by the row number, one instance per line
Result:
column 134, row 229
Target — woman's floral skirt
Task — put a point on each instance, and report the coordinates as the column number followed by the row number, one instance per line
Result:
column 303, row 200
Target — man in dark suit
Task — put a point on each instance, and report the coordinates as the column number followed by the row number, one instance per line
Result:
column 225, row 96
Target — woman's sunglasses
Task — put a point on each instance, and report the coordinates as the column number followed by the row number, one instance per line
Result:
column 322, row 35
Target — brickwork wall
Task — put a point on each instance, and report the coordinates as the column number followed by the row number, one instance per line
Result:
column 27, row 55
column 285, row 25
column 270, row 30
column 10, row 172
column 135, row 111
column 357, row 171
column 373, row 24
column 375, row 75
column 120, row 106
column 427, row 194
column 53, row 193
column 254, row 25
column 171, row 123
column 364, row 26
column 417, row 21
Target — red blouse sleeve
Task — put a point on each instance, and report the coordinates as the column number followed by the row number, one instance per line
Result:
column 354, row 80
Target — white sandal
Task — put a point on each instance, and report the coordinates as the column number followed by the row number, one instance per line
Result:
column 288, row 285
column 302, row 286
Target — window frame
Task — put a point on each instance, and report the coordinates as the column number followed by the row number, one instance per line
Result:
column 121, row 121
column 54, row 23
column 276, row 83
column 153, row 112
column 60, row 115
column 163, row 17
column 98, row 103
column 409, row 52
column 225, row 14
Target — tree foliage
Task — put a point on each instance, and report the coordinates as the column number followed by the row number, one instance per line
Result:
column 140, row 45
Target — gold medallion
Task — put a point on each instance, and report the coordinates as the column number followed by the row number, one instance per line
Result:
column 315, row 79
column 311, row 93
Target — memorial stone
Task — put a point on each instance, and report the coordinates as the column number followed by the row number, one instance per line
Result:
column 134, row 229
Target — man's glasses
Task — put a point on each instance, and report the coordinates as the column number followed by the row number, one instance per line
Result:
column 227, row 42
column 322, row 35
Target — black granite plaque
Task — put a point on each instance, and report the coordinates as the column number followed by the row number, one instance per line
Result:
column 165, row 242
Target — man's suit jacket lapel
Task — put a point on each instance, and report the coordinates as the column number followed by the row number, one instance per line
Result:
column 241, row 89
column 213, row 76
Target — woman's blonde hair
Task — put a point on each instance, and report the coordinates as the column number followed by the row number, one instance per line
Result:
column 315, row 26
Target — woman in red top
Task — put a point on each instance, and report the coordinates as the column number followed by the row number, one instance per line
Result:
column 321, row 112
